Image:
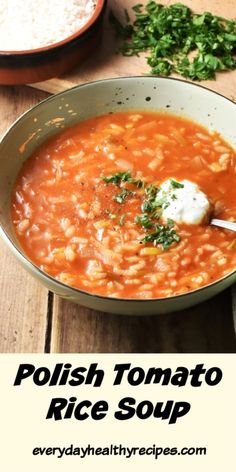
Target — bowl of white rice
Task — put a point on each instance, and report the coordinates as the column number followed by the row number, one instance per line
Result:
column 44, row 39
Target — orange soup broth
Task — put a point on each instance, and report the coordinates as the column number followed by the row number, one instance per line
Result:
column 69, row 224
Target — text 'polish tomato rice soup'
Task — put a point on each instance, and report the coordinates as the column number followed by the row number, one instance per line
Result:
column 118, row 205
column 33, row 24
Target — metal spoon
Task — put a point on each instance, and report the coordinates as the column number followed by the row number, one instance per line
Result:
column 223, row 224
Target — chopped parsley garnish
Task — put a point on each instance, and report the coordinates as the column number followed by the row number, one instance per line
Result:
column 163, row 234
column 170, row 222
column 144, row 220
column 152, row 190
column 148, row 206
column 120, row 198
column 152, row 207
column 176, row 184
column 162, row 201
column 139, row 183
column 119, row 177
column 170, row 33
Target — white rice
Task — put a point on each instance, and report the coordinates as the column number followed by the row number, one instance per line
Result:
column 31, row 24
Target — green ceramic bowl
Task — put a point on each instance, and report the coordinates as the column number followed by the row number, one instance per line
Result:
column 65, row 109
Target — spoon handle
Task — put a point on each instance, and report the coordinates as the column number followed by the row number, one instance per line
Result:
column 224, row 224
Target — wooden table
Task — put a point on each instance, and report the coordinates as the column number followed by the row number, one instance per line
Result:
column 33, row 320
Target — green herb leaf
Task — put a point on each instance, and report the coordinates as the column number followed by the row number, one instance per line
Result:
column 152, row 190
column 144, row 220
column 127, row 17
column 120, row 198
column 123, row 177
column 170, row 33
column 163, row 235
column 148, row 206
column 170, row 223
column 137, row 8
column 117, row 178
column 138, row 183
column 162, row 202
column 176, row 184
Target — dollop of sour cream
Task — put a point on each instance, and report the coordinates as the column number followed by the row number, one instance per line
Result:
column 184, row 202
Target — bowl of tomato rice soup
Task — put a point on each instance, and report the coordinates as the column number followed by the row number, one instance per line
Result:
column 107, row 191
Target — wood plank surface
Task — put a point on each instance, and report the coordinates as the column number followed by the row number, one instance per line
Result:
column 23, row 302
column 31, row 320
column 205, row 328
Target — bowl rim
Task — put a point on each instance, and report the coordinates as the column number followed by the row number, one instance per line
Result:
column 28, row 262
column 50, row 47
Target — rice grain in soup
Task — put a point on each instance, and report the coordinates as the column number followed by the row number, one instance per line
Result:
column 31, row 25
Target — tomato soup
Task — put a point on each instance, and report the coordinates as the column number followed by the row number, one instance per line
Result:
column 86, row 210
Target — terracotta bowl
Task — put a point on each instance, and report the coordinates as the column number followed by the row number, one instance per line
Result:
column 44, row 121
column 36, row 65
